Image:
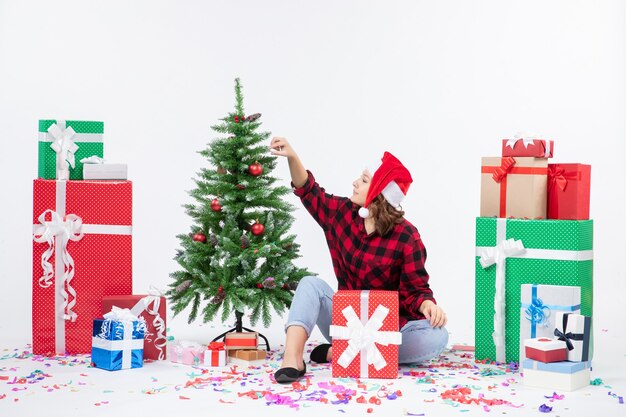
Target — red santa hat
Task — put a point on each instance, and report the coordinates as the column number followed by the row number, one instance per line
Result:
column 391, row 179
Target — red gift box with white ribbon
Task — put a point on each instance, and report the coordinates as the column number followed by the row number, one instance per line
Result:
column 538, row 148
column 365, row 334
column 82, row 252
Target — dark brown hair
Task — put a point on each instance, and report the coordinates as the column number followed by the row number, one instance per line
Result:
column 385, row 216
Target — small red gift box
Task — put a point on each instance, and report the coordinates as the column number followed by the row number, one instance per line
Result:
column 82, row 251
column 215, row 355
column 152, row 309
column 365, row 334
column 569, row 191
column 538, row 148
column 241, row 340
column 545, row 350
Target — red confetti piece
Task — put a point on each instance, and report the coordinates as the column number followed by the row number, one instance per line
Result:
column 182, row 397
column 464, row 348
column 4, row 378
column 462, row 396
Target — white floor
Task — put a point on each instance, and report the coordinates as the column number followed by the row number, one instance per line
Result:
column 34, row 386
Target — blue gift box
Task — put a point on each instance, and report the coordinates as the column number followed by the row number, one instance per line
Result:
column 563, row 367
column 117, row 344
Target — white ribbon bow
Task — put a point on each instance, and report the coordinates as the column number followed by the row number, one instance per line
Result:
column 120, row 314
column 362, row 338
column 93, row 159
column 64, row 230
column 497, row 255
column 525, row 138
column 64, row 147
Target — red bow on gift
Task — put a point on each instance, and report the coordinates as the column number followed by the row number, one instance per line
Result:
column 505, row 166
column 216, row 346
column 557, row 176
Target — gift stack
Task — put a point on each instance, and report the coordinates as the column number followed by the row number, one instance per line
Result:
column 365, row 334
column 244, row 346
column 151, row 309
column 560, row 362
column 82, row 248
column 534, row 229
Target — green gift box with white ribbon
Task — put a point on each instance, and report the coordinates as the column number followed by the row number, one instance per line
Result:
column 512, row 252
column 63, row 143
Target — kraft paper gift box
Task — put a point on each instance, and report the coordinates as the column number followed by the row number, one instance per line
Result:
column 248, row 354
column 540, row 305
column 569, row 188
column 365, row 334
column 105, row 171
column 82, row 252
column 545, row 350
column 575, row 330
column 557, row 376
column 186, row 352
column 215, row 355
column 61, row 141
column 241, row 340
column 538, row 148
column 150, row 308
column 117, row 341
column 514, row 187
column 512, row 252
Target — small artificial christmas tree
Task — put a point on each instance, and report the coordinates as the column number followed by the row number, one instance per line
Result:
column 239, row 253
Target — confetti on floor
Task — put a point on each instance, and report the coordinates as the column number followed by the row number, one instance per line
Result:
column 453, row 380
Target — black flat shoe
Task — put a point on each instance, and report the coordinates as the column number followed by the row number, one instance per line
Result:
column 319, row 354
column 287, row 375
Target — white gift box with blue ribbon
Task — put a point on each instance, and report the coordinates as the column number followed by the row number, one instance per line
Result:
column 117, row 341
column 540, row 303
column 560, row 376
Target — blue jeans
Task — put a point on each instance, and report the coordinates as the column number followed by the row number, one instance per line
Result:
column 312, row 305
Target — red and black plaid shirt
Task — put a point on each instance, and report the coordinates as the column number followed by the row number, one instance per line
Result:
column 394, row 262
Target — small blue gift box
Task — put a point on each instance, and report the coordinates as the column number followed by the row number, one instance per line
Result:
column 117, row 344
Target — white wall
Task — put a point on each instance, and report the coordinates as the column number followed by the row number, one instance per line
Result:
column 437, row 83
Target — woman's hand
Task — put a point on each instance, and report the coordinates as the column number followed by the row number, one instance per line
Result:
column 433, row 313
column 280, row 146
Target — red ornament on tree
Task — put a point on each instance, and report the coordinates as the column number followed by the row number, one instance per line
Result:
column 220, row 289
column 257, row 228
column 259, row 285
column 215, row 205
column 241, row 187
column 255, row 169
column 199, row 237
column 236, row 119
